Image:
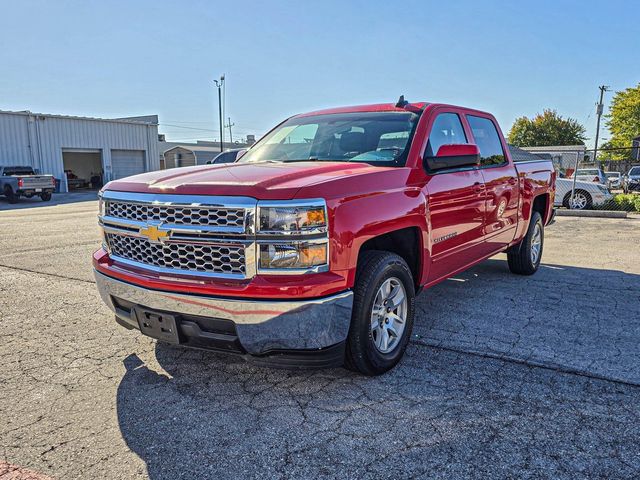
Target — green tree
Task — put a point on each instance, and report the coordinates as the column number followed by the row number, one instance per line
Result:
column 623, row 121
column 546, row 129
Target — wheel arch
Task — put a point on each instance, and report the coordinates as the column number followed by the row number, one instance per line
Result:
column 405, row 242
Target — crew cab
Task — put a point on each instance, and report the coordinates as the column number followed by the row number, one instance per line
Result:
column 22, row 181
column 310, row 249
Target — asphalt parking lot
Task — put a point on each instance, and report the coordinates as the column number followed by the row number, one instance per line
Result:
column 506, row 376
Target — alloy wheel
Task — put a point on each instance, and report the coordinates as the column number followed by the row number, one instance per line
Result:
column 389, row 315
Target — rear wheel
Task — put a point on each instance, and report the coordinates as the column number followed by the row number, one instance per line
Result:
column 524, row 258
column 383, row 311
column 12, row 197
column 46, row 196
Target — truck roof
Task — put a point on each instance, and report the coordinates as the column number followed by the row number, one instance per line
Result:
column 375, row 107
column 386, row 107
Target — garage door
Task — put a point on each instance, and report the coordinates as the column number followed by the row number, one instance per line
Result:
column 125, row 163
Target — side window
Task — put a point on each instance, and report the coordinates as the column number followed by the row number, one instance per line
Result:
column 488, row 141
column 446, row 130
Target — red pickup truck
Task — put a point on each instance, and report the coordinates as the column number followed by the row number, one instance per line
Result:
column 311, row 248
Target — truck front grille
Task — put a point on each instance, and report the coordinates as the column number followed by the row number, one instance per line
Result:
column 179, row 257
column 209, row 216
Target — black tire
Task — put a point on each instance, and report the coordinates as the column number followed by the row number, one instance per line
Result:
column 587, row 196
column 12, row 197
column 46, row 196
column 519, row 256
column 375, row 268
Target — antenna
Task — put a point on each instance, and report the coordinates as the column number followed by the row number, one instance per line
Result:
column 401, row 102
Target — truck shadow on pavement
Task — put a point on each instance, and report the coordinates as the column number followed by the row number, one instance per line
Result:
column 447, row 411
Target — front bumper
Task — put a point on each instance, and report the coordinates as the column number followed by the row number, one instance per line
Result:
column 260, row 327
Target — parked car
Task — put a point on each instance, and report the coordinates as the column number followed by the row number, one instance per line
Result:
column 596, row 175
column 631, row 181
column 614, row 179
column 229, row 156
column 21, row 181
column 586, row 194
column 310, row 250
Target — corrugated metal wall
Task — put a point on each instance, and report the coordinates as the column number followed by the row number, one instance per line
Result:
column 171, row 160
column 39, row 140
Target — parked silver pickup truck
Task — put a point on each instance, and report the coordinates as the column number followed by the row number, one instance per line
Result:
column 22, row 181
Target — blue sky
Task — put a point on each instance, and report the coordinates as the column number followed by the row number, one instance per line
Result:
column 119, row 58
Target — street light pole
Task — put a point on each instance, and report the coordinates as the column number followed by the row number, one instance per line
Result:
column 219, row 84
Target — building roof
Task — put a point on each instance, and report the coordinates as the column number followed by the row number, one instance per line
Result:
column 146, row 119
column 556, row 148
column 520, row 155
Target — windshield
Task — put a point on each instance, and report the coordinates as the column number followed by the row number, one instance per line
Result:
column 612, row 174
column 634, row 171
column 377, row 138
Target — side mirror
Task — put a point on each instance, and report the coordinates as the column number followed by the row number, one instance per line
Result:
column 454, row 156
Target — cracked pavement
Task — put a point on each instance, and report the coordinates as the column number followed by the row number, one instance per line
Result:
column 506, row 376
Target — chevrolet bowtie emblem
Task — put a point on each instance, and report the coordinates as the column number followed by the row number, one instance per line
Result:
column 154, row 233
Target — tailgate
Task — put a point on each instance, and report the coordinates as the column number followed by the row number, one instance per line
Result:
column 36, row 181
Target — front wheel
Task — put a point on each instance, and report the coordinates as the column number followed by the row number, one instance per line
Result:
column 524, row 258
column 383, row 311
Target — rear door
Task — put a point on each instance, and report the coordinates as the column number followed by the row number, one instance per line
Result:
column 456, row 201
column 125, row 163
column 501, row 184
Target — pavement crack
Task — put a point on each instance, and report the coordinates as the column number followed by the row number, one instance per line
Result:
column 55, row 275
column 529, row 363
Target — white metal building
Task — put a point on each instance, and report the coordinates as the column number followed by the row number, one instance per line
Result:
column 76, row 149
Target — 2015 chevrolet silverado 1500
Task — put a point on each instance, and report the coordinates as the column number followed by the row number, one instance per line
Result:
column 311, row 248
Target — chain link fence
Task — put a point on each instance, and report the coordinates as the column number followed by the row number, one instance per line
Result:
column 583, row 184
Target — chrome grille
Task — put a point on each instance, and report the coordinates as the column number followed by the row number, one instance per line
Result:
column 177, row 214
column 215, row 259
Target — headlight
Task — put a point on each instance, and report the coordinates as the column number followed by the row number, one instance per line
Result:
column 291, row 218
column 292, row 237
column 299, row 256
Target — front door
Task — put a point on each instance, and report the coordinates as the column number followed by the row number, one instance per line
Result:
column 456, row 204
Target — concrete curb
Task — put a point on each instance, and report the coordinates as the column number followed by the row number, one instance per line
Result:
column 591, row 213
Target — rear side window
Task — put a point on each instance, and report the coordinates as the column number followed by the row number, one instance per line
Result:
column 446, row 130
column 488, row 141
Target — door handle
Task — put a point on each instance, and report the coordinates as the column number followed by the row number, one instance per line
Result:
column 512, row 181
column 478, row 187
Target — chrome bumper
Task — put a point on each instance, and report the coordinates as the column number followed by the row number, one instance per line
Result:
column 262, row 325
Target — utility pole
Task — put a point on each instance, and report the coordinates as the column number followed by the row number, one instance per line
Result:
column 229, row 125
column 219, row 84
column 599, row 110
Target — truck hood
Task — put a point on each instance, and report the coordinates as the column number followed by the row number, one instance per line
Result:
column 259, row 180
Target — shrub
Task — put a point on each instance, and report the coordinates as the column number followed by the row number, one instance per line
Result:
column 636, row 203
column 627, row 202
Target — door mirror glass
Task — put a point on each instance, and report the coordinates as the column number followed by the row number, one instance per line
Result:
column 454, row 156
